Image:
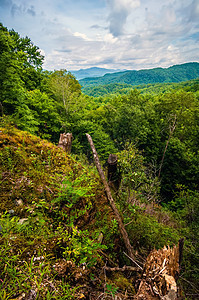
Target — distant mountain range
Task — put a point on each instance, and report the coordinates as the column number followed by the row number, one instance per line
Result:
column 176, row 73
column 93, row 72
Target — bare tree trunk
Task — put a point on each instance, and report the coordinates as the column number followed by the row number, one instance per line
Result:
column 111, row 201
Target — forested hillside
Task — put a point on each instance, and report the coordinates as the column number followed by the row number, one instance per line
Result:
column 150, row 88
column 58, row 232
column 175, row 73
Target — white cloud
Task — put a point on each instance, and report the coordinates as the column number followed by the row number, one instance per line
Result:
column 119, row 11
column 82, row 35
column 131, row 34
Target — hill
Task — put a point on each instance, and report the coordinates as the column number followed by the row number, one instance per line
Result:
column 57, row 231
column 92, row 72
column 150, row 88
column 176, row 73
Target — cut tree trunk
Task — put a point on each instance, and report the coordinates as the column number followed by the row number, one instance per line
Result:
column 65, row 142
column 111, row 201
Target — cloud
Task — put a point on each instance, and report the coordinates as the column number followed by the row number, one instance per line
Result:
column 194, row 13
column 16, row 9
column 31, row 11
column 130, row 34
column 20, row 9
column 119, row 11
column 82, row 36
column 63, row 50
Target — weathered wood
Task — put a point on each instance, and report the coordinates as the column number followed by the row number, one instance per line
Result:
column 65, row 142
column 160, row 273
column 123, row 269
column 110, row 198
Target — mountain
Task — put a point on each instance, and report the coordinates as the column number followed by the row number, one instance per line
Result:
column 93, row 72
column 176, row 73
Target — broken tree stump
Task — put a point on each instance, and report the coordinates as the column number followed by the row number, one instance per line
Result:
column 65, row 142
column 160, row 273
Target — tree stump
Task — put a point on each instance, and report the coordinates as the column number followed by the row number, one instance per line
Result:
column 160, row 273
column 65, row 142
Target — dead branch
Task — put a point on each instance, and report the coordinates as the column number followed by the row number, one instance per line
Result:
column 123, row 269
column 134, row 261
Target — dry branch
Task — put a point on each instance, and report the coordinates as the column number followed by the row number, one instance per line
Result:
column 123, row 269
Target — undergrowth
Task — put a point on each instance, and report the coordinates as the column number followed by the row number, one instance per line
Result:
column 57, row 229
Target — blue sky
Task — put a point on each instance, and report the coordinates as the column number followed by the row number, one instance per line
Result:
column 116, row 34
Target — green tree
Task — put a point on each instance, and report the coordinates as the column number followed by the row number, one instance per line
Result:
column 11, row 64
column 178, row 121
column 20, row 63
column 65, row 90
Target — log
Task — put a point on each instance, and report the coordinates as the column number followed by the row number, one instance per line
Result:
column 65, row 142
column 111, row 201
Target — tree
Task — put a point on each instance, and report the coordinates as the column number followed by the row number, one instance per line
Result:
column 20, row 63
column 11, row 64
column 65, row 90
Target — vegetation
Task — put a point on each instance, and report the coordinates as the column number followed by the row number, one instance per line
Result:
column 57, row 231
column 150, row 88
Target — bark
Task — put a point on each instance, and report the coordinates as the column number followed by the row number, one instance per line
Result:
column 160, row 273
column 65, row 142
column 110, row 199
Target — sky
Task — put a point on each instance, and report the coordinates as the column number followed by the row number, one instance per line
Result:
column 116, row 34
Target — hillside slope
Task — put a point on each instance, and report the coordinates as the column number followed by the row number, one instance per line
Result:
column 57, row 229
column 176, row 73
